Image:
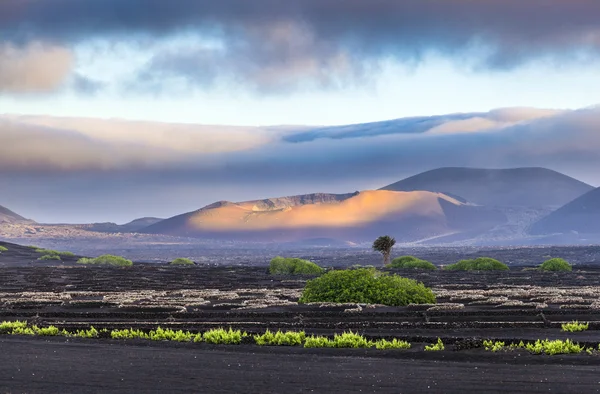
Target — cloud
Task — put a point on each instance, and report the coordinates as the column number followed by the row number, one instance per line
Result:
column 34, row 68
column 127, row 169
column 273, row 45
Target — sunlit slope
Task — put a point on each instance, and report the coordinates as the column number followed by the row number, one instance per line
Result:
column 351, row 217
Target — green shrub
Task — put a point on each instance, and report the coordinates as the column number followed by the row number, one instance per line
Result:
column 383, row 344
column 129, row 334
column 161, row 334
column 106, row 259
column 7, row 327
column 292, row 266
column 478, row 264
column 182, row 261
column 351, row 340
column 492, row 346
column 556, row 265
column 435, row 347
column 411, row 262
column 575, row 326
column 49, row 257
column 3, row 249
column 91, row 333
column 54, row 252
column 220, row 336
column 279, row 338
column 366, row 286
column 554, row 347
column 317, row 342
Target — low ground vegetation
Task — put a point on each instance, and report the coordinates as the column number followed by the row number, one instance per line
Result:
column 3, row 249
column 556, row 265
column 575, row 326
column 435, row 347
column 412, row 262
column 367, row 286
column 49, row 257
column 293, row 266
column 478, row 264
column 182, row 261
column 107, row 259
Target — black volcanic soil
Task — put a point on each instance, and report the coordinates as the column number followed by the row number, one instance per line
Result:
column 521, row 304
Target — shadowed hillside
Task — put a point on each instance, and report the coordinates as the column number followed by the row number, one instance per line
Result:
column 356, row 217
column 8, row 216
column 581, row 216
column 519, row 187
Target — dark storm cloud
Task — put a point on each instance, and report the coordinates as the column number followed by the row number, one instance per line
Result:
column 269, row 43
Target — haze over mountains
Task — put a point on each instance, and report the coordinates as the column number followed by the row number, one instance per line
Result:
column 579, row 216
column 524, row 187
column 440, row 206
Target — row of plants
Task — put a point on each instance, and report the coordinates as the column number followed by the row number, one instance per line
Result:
column 545, row 346
column 478, row 264
column 230, row 336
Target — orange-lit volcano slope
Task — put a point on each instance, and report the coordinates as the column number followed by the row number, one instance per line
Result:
column 356, row 217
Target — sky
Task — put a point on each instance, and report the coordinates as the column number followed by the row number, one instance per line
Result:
column 116, row 109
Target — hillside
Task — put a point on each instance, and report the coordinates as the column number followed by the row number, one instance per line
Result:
column 8, row 216
column 518, row 187
column 356, row 217
column 131, row 227
column 581, row 215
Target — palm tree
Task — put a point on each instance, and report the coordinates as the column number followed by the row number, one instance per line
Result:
column 384, row 245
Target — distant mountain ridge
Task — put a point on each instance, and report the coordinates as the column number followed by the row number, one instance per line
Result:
column 354, row 217
column 521, row 187
column 581, row 216
column 8, row 216
column 131, row 227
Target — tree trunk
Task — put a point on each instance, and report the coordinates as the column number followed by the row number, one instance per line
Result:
column 386, row 258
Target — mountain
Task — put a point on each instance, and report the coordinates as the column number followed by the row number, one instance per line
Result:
column 517, row 187
column 8, row 216
column 131, row 227
column 356, row 217
column 581, row 215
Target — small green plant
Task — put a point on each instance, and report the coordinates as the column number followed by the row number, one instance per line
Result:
column 54, row 252
column 478, row 264
column 50, row 331
column 161, row 334
column 575, row 326
column 366, row 286
column 383, row 344
column 556, row 265
column 292, row 266
column 107, row 259
column 7, row 327
column 181, row 261
column 221, row 336
column 351, row 340
column 317, row 342
column 492, row 346
column 50, row 257
column 129, row 334
column 289, row 338
column 411, row 262
column 435, row 347
column 554, row 347
column 91, row 333
column 3, row 249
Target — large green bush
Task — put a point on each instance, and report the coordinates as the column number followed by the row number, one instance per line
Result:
column 107, row 259
column 411, row 262
column 366, row 286
column 556, row 265
column 292, row 266
column 478, row 264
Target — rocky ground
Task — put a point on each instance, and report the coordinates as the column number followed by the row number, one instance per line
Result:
column 518, row 305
